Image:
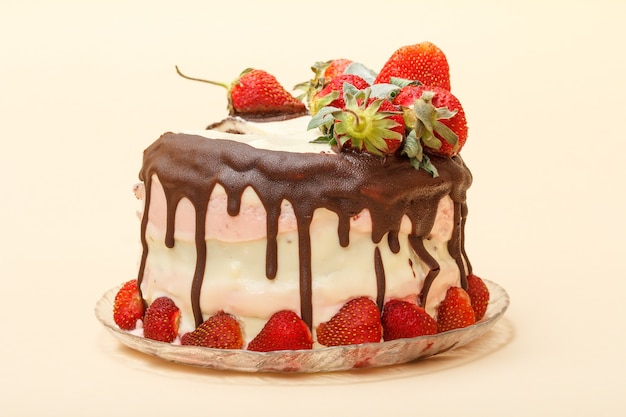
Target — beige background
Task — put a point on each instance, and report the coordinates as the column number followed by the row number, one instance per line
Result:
column 86, row 86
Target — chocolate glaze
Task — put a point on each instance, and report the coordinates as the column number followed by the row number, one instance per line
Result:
column 346, row 183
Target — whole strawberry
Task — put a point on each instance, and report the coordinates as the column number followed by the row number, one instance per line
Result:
column 373, row 125
column 324, row 72
column 257, row 95
column 358, row 321
column 402, row 319
column 128, row 306
column 436, row 116
column 334, row 68
column 479, row 294
column 423, row 62
column 285, row 330
column 455, row 311
column 161, row 320
column 220, row 331
column 333, row 92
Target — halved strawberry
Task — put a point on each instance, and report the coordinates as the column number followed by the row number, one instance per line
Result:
column 358, row 321
column 423, row 62
column 284, row 330
column 161, row 320
column 455, row 311
column 479, row 294
column 128, row 306
column 402, row 319
column 257, row 95
column 220, row 331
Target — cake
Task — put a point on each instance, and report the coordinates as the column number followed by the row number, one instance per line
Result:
column 328, row 219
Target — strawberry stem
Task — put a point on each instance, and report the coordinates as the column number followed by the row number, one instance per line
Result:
column 225, row 85
column 357, row 120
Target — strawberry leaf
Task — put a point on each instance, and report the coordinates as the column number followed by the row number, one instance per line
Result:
column 323, row 139
column 412, row 147
column 446, row 133
column 430, row 140
column 387, row 91
column 362, row 71
column 428, row 166
column 349, row 89
column 415, row 151
column 403, row 82
column 322, row 117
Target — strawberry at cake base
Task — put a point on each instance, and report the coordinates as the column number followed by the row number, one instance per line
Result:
column 259, row 222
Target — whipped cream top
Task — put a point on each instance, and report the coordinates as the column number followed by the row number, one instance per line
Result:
column 287, row 135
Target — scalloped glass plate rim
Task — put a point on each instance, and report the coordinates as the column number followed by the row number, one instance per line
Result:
column 326, row 359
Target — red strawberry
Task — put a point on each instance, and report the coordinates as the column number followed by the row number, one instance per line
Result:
column 455, row 311
column 436, row 116
column 335, row 68
column 283, row 331
column 333, row 94
column 257, row 95
column 358, row 321
column 374, row 125
column 423, row 62
column 402, row 319
column 220, row 331
column 363, row 124
column 324, row 71
column 128, row 306
column 479, row 294
column 161, row 320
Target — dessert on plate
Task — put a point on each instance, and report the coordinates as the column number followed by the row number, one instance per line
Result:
column 299, row 222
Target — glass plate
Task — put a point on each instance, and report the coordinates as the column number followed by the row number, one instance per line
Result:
column 339, row 358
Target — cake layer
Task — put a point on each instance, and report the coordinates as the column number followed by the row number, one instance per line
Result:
column 236, row 279
column 229, row 226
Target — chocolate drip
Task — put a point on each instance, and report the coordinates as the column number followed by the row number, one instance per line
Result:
column 271, row 251
column 417, row 243
column 198, row 275
column 455, row 244
column 304, row 251
column 392, row 240
column 144, row 240
column 381, row 282
column 343, row 230
column 463, row 252
column 190, row 166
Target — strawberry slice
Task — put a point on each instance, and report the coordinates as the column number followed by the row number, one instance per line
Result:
column 358, row 321
column 285, row 330
column 479, row 294
column 220, row 331
column 128, row 306
column 161, row 320
column 455, row 311
column 402, row 319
